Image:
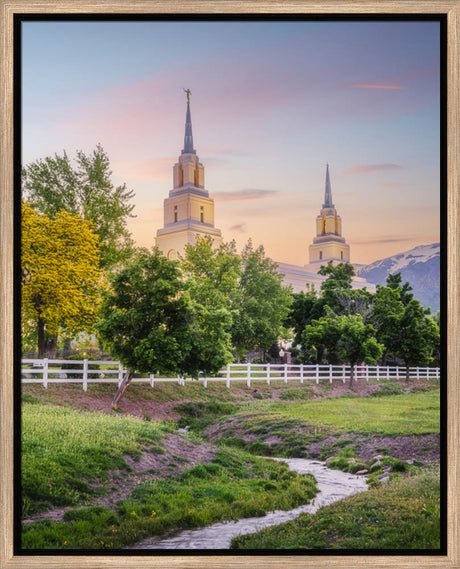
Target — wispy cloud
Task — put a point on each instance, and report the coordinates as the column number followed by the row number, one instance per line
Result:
column 384, row 240
column 238, row 228
column 368, row 86
column 371, row 168
column 247, row 194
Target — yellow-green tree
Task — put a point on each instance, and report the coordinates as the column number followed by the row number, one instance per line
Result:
column 61, row 275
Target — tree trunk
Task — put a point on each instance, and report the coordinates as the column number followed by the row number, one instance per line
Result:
column 407, row 373
column 41, row 337
column 121, row 390
column 352, row 373
column 52, row 346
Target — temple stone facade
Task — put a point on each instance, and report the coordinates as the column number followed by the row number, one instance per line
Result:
column 188, row 211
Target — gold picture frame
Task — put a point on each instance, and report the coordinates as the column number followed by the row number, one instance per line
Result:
column 449, row 8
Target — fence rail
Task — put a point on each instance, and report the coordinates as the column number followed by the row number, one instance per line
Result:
column 47, row 371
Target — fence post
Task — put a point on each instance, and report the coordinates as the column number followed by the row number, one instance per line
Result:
column 418, row 373
column 330, row 373
column 227, row 383
column 388, row 371
column 45, row 373
column 152, row 382
column 437, row 373
column 367, row 373
column 205, row 382
column 428, row 372
column 248, row 377
column 120, row 374
column 301, row 373
column 343, row 373
column 268, row 374
column 317, row 374
column 85, row 375
column 285, row 373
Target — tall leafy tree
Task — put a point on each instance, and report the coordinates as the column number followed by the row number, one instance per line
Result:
column 387, row 312
column 261, row 305
column 61, row 277
column 85, row 187
column 418, row 337
column 406, row 329
column 211, row 279
column 150, row 322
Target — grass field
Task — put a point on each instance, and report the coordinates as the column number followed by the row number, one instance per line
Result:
column 68, row 456
column 404, row 514
column 65, row 452
column 412, row 413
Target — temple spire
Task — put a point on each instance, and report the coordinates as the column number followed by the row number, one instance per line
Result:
column 188, row 138
column 328, row 192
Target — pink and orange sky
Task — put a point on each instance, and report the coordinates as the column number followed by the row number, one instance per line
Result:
column 272, row 103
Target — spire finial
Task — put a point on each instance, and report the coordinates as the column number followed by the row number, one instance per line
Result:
column 188, row 138
column 328, row 191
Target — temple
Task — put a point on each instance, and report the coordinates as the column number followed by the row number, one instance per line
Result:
column 328, row 245
column 188, row 211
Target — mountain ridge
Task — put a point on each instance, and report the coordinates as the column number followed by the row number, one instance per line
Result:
column 419, row 266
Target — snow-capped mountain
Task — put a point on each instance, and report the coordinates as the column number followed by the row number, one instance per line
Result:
column 419, row 266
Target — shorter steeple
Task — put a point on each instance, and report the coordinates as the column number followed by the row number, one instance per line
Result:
column 328, row 191
column 329, row 245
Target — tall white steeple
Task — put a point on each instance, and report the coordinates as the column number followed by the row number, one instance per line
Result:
column 188, row 211
column 328, row 245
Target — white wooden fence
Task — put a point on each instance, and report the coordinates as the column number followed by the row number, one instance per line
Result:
column 47, row 371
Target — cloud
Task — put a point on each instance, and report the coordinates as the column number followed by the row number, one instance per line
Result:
column 363, row 86
column 247, row 194
column 239, row 228
column 371, row 168
column 383, row 240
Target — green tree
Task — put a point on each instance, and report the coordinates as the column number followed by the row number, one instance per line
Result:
column 211, row 280
column 347, row 335
column 337, row 291
column 54, row 184
column 150, row 322
column 387, row 311
column 394, row 282
column 321, row 335
column 418, row 337
column 261, row 304
column 357, row 342
column 405, row 328
column 61, row 278
column 306, row 306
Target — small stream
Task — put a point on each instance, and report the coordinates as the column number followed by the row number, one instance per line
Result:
column 333, row 485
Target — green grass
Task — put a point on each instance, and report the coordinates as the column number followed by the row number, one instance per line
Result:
column 412, row 413
column 234, row 485
column 403, row 514
column 64, row 450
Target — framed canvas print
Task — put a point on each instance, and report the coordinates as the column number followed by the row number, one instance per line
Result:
column 229, row 284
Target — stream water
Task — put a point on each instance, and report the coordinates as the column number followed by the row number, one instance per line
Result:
column 333, row 485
